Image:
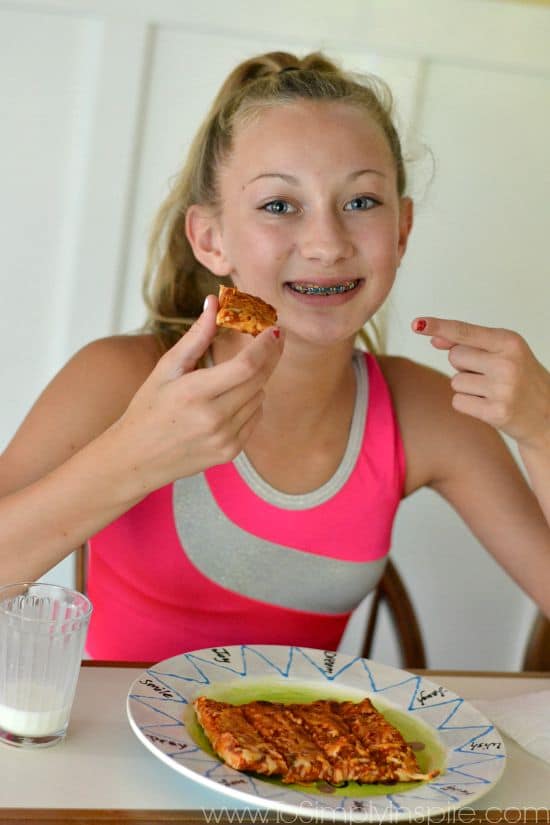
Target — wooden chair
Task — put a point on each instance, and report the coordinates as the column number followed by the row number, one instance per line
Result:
column 80, row 568
column 392, row 592
column 537, row 652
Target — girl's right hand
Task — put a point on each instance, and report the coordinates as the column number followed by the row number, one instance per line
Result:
column 182, row 421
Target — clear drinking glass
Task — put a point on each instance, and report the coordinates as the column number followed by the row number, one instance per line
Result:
column 42, row 632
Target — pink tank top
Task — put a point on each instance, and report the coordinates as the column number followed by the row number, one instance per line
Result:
column 222, row 558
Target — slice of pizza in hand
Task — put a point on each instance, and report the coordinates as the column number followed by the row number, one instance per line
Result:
column 244, row 312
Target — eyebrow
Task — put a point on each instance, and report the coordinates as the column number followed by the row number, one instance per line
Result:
column 293, row 180
column 358, row 174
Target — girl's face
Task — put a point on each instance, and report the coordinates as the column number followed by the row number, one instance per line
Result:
column 310, row 218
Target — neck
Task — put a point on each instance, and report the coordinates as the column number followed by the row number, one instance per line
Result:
column 308, row 384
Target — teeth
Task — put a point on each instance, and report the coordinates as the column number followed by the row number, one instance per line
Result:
column 315, row 289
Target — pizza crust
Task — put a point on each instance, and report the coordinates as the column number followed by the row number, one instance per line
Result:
column 243, row 312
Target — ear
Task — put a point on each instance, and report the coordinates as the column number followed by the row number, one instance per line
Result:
column 406, row 210
column 203, row 233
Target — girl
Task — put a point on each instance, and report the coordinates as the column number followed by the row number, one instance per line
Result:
column 239, row 490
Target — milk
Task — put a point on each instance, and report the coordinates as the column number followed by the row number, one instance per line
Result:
column 40, row 712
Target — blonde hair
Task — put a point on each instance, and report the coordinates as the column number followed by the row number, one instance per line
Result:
column 175, row 283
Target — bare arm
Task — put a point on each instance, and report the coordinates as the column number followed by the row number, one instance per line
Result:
column 479, row 477
column 111, row 428
column 467, row 462
column 536, row 459
column 58, row 481
column 47, row 519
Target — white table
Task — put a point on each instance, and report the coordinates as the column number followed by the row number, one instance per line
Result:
column 101, row 773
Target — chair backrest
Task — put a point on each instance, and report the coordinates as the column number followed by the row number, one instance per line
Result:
column 392, row 592
column 80, row 568
column 537, row 652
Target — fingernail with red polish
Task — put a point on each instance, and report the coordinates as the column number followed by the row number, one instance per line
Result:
column 276, row 332
column 419, row 325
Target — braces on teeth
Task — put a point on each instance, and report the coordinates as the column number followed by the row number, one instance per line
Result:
column 307, row 289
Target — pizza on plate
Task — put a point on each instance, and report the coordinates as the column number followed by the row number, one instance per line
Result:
column 324, row 740
column 244, row 312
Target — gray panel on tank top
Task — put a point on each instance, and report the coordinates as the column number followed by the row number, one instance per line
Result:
column 264, row 570
column 251, row 566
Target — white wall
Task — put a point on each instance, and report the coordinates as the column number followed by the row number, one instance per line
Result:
column 99, row 99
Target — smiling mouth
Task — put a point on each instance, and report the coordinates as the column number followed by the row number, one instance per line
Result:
column 318, row 289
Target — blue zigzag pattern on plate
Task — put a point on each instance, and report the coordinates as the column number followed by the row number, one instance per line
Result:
column 453, row 704
column 149, row 703
column 414, row 680
column 395, row 806
column 161, row 678
column 468, row 769
column 199, row 677
column 476, row 779
column 475, row 739
column 329, row 676
column 161, row 725
column 176, row 733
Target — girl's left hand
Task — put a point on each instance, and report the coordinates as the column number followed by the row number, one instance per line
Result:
column 499, row 380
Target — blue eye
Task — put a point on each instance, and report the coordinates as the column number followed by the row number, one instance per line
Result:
column 362, row 202
column 278, row 207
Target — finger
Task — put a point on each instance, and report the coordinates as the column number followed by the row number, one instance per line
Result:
column 461, row 332
column 471, row 359
column 480, row 408
column 234, row 399
column 470, row 383
column 246, row 411
column 183, row 356
column 249, row 426
column 441, row 343
column 252, row 365
column 225, row 434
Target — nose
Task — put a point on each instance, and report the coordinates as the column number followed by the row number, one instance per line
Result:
column 325, row 239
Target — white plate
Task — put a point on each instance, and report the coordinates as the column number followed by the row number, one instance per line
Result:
column 159, row 712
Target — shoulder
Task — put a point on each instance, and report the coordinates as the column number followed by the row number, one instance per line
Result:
column 108, row 371
column 134, row 351
column 401, row 372
column 438, row 440
column 415, row 388
column 126, row 358
column 86, row 396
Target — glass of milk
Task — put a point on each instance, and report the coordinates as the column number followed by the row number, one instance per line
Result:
column 42, row 632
